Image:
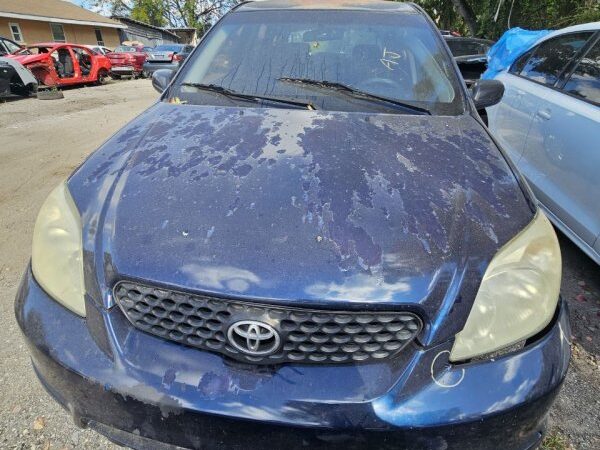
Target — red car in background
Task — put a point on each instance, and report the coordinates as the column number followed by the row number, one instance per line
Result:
column 58, row 64
column 127, row 60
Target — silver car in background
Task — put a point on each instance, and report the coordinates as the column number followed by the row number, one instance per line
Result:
column 549, row 123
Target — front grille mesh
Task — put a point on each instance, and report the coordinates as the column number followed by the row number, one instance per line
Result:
column 306, row 335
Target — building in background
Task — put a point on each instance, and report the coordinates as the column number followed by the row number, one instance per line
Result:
column 144, row 33
column 186, row 35
column 31, row 21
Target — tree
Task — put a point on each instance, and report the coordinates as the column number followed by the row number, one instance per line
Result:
column 467, row 14
column 491, row 18
column 199, row 14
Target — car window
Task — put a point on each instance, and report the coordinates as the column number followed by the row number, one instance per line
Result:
column 168, row 48
column 11, row 47
column 520, row 62
column 552, row 56
column 585, row 80
column 397, row 56
column 124, row 49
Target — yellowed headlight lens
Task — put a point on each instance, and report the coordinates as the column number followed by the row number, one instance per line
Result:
column 518, row 294
column 57, row 252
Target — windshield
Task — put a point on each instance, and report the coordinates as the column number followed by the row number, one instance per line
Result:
column 394, row 56
column 167, row 48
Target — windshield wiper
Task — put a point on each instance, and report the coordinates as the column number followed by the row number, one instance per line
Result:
column 252, row 97
column 349, row 90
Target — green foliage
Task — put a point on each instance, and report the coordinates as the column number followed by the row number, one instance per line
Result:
column 149, row 11
column 199, row 14
column 530, row 14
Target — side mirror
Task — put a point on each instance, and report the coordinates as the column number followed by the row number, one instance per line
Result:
column 161, row 79
column 486, row 93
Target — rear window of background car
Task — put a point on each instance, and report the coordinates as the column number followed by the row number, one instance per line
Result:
column 551, row 57
column 585, row 80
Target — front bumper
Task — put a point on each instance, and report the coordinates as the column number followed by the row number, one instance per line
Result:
column 144, row 391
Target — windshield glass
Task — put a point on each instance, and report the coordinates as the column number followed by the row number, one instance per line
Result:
column 395, row 56
column 167, row 48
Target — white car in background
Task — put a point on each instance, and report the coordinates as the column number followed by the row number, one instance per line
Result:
column 99, row 49
column 549, row 123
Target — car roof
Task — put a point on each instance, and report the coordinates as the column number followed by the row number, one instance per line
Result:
column 592, row 26
column 369, row 5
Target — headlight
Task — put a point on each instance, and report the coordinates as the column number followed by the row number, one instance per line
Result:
column 57, row 253
column 518, row 294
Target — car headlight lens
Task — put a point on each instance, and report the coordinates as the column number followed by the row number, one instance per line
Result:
column 57, row 251
column 518, row 294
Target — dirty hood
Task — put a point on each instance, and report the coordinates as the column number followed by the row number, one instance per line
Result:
column 295, row 206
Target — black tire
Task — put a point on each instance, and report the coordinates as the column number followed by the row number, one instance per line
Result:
column 102, row 76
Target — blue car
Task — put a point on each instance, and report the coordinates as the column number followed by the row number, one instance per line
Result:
column 310, row 240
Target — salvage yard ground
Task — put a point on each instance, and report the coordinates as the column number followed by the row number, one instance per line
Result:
column 41, row 142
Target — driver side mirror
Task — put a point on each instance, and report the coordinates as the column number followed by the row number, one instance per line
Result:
column 161, row 79
column 486, row 93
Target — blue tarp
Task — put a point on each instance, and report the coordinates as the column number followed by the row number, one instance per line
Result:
column 509, row 47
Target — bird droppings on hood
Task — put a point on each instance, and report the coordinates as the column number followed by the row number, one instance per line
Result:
column 387, row 201
column 169, row 378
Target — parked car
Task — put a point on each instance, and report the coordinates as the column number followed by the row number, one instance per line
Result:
column 127, row 60
column 8, row 46
column 99, row 49
column 311, row 240
column 166, row 56
column 56, row 64
column 470, row 55
column 549, row 123
column 15, row 79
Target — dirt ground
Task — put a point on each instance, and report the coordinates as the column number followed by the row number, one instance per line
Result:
column 41, row 142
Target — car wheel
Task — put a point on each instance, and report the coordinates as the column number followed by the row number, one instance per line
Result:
column 102, row 75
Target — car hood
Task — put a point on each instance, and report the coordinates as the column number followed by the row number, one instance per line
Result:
column 28, row 59
column 305, row 207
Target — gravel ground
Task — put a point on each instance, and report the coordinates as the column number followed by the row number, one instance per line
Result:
column 41, row 142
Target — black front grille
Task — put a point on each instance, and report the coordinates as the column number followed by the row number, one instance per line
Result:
column 305, row 335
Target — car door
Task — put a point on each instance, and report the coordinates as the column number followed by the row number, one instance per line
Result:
column 65, row 65
column 510, row 119
column 562, row 154
column 85, row 63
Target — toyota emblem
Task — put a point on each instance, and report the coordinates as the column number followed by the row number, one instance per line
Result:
column 253, row 338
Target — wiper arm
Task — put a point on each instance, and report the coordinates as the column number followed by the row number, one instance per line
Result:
column 349, row 90
column 252, row 97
